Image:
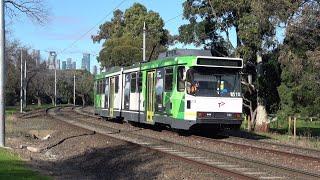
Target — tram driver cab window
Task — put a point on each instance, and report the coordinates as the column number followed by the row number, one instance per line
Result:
column 192, row 86
column 181, row 78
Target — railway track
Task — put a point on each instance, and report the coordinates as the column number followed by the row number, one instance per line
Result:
column 289, row 151
column 219, row 162
column 277, row 148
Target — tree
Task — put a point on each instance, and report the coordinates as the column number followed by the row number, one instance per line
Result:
column 12, row 89
column 36, row 10
column 49, row 85
column 36, row 87
column 84, row 85
column 254, row 24
column 123, row 36
column 299, row 58
column 65, row 85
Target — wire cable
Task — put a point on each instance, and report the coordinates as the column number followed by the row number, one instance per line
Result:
column 98, row 23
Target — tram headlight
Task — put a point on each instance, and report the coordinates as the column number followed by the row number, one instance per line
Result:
column 204, row 114
column 237, row 115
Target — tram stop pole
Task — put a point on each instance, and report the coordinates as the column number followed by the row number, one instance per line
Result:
column 2, row 77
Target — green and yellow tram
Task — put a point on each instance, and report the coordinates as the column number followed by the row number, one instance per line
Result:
column 178, row 91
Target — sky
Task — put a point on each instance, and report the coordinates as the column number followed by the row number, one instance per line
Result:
column 72, row 22
column 71, row 19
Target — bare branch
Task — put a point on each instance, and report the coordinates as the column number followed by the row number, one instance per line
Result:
column 34, row 9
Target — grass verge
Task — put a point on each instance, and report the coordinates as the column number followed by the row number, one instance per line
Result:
column 12, row 167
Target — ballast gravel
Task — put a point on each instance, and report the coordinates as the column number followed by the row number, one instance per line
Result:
column 75, row 153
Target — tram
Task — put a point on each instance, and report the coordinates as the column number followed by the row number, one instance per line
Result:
column 179, row 91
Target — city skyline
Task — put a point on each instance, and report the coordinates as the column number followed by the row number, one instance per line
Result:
column 85, row 63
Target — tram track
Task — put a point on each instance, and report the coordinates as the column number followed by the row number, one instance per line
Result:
column 261, row 146
column 277, row 148
column 247, row 168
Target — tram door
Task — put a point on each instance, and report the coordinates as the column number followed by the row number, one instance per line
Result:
column 150, row 96
column 111, row 98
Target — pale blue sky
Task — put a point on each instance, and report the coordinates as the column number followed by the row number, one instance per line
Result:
column 70, row 19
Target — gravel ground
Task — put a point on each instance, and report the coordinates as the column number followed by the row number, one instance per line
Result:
column 76, row 153
column 297, row 163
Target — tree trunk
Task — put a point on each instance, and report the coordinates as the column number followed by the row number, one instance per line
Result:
column 52, row 100
column 83, row 100
column 237, row 34
column 262, row 116
column 153, row 48
column 68, row 100
column 39, row 101
column 262, row 119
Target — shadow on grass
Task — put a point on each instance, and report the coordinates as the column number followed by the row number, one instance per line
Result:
column 15, row 169
column 19, row 174
column 245, row 134
column 119, row 162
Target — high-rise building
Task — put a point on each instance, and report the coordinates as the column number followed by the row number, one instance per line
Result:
column 58, row 64
column 95, row 70
column 69, row 63
column 52, row 60
column 86, row 61
column 64, row 65
column 74, row 65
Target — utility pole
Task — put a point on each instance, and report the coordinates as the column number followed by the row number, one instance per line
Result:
column 21, row 83
column 55, row 82
column 144, row 41
column 74, row 89
column 2, row 79
column 25, row 84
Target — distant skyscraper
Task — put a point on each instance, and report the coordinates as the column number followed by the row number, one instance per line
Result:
column 86, row 62
column 51, row 60
column 74, row 65
column 58, row 64
column 69, row 63
column 95, row 70
column 64, row 65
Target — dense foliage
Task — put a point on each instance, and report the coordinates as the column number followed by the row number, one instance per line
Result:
column 254, row 25
column 122, row 36
column 300, row 63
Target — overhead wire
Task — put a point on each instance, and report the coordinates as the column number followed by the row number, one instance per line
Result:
column 98, row 23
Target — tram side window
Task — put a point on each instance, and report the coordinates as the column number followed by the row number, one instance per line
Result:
column 116, row 84
column 97, row 87
column 127, row 92
column 104, row 86
column 159, row 90
column 180, row 81
column 140, row 82
column 100, row 87
column 168, row 79
column 133, row 82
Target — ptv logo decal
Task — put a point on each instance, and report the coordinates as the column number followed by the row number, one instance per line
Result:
column 221, row 104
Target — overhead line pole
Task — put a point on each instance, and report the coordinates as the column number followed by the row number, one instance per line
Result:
column 21, row 82
column 74, row 89
column 2, row 76
column 25, row 84
column 144, row 41
column 55, row 82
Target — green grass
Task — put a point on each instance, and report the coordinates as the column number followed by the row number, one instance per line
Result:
column 305, row 128
column 11, row 167
column 308, row 132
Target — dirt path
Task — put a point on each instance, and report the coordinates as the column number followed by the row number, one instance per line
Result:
column 76, row 153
